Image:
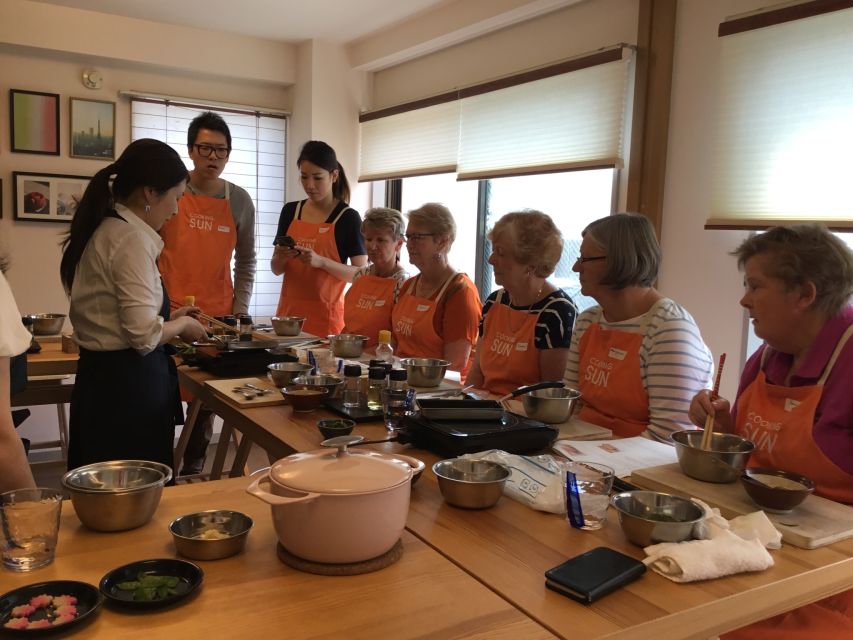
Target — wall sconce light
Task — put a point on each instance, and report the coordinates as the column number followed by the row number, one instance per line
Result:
column 92, row 79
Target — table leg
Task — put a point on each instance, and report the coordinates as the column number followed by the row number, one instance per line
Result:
column 63, row 430
column 221, row 451
column 238, row 467
column 189, row 425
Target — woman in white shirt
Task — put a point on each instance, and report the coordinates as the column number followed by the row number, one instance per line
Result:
column 14, row 339
column 125, row 402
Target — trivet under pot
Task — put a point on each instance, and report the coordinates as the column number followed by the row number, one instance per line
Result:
column 346, row 569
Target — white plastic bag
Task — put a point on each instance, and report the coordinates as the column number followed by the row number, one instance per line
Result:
column 534, row 480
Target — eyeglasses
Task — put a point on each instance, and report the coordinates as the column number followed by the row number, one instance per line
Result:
column 583, row 259
column 205, row 150
column 415, row 237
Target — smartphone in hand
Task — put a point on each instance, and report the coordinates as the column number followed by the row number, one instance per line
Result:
column 285, row 241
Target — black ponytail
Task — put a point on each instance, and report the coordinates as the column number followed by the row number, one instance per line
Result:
column 144, row 163
column 321, row 154
column 340, row 188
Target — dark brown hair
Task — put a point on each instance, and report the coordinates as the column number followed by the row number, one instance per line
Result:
column 321, row 154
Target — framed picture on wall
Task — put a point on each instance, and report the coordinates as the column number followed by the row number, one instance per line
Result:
column 93, row 129
column 34, row 120
column 47, row 197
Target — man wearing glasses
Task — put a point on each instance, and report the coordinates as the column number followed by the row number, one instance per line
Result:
column 215, row 222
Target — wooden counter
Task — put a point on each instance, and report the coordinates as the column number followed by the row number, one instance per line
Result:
column 509, row 547
column 254, row 594
column 51, row 360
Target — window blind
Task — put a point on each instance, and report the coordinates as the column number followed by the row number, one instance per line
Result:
column 785, row 125
column 256, row 163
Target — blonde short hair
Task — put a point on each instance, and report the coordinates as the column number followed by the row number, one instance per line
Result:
column 435, row 217
column 385, row 218
column 535, row 240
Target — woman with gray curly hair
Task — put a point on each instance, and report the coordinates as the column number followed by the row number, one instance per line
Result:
column 527, row 323
column 794, row 399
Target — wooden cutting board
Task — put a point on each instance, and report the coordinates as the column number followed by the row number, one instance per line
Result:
column 224, row 387
column 814, row 523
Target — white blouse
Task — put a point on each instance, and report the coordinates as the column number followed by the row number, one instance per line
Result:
column 117, row 295
column 14, row 338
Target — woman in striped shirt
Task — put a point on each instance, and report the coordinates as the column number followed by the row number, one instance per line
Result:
column 637, row 357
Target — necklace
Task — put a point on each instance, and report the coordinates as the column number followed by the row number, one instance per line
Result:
column 525, row 312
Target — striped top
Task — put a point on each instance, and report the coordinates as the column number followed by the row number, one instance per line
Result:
column 556, row 313
column 675, row 362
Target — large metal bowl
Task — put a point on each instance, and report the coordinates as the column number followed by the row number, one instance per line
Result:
column 550, row 405
column 116, row 495
column 722, row 463
column 47, row 324
column 282, row 374
column 425, row 372
column 347, row 345
column 287, row 325
column 194, row 533
column 332, row 383
column 649, row 517
column 470, row 484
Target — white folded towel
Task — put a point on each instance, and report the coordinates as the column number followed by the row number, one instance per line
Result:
column 722, row 555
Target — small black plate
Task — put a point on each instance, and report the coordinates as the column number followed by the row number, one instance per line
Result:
column 358, row 414
column 89, row 600
column 189, row 576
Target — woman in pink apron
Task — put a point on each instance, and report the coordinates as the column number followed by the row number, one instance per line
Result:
column 326, row 224
column 527, row 324
column 637, row 357
column 794, row 399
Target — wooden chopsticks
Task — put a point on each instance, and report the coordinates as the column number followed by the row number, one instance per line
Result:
column 708, row 433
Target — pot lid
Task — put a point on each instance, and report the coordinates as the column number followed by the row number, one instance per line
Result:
column 339, row 471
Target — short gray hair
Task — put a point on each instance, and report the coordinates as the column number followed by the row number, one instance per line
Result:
column 535, row 240
column 385, row 218
column 631, row 247
column 804, row 253
column 435, row 217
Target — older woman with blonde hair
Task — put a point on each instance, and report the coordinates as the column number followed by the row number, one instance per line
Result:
column 438, row 311
column 637, row 357
column 527, row 324
column 376, row 285
column 794, row 399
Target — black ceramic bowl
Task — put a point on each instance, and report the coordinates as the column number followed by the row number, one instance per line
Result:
column 336, row 427
column 775, row 490
column 189, row 578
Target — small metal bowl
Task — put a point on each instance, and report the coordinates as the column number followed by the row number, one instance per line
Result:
column 335, row 427
column 47, row 324
column 116, row 495
column 775, row 490
column 287, row 325
column 649, row 517
column 303, row 397
column 722, row 463
column 550, row 405
column 332, row 384
column 282, row 374
column 425, row 372
column 347, row 345
column 230, row 528
column 470, row 484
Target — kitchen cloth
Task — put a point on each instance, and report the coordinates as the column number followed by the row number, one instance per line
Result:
column 534, row 480
column 724, row 548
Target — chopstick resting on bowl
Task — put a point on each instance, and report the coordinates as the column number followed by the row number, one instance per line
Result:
column 708, row 434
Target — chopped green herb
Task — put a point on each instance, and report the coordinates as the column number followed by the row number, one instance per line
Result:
column 149, row 587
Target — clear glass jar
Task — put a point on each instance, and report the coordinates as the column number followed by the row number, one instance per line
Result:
column 375, row 385
column 352, row 392
column 384, row 350
column 246, row 328
column 398, row 379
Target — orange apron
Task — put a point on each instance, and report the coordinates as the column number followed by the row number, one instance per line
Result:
column 778, row 420
column 609, row 378
column 509, row 357
column 309, row 292
column 196, row 258
column 412, row 320
column 368, row 305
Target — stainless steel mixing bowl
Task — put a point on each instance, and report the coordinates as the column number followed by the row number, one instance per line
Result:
column 287, row 325
column 550, row 405
column 47, row 324
column 722, row 462
column 424, row 372
column 210, row 535
column 471, row 484
column 649, row 517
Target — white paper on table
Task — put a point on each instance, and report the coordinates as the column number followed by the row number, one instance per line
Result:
column 623, row 455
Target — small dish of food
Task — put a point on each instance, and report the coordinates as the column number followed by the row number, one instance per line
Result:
column 47, row 607
column 775, row 490
column 151, row 584
column 304, row 397
column 210, row 535
column 335, row 428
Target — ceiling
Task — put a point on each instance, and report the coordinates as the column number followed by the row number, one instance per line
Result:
column 283, row 20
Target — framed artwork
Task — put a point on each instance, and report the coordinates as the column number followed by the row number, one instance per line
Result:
column 93, row 129
column 34, row 119
column 47, row 197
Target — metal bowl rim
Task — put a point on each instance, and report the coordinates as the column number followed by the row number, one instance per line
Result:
column 614, row 502
column 437, row 470
column 686, row 445
column 248, row 521
column 158, row 467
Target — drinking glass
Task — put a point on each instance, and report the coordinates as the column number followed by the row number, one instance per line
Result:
column 396, row 405
column 30, row 527
column 587, row 488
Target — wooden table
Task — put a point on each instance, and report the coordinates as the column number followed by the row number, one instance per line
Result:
column 51, row 360
column 253, row 594
column 509, row 547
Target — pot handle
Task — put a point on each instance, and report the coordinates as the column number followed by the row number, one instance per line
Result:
column 414, row 463
column 255, row 490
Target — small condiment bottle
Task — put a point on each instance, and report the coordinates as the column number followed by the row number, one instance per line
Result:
column 375, row 385
column 398, row 379
column 352, row 393
column 189, row 301
column 245, row 328
column 384, row 350
column 231, row 321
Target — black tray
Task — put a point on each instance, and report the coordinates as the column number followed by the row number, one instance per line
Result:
column 237, row 364
column 358, row 414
